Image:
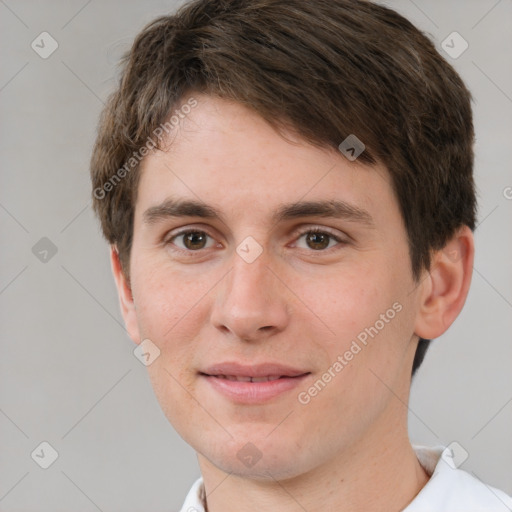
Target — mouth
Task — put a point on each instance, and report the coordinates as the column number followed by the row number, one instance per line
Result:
column 244, row 378
column 252, row 384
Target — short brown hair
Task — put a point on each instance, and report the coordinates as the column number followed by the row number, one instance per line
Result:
column 324, row 69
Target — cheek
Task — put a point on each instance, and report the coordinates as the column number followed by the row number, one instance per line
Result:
column 165, row 299
column 170, row 311
column 368, row 323
column 346, row 301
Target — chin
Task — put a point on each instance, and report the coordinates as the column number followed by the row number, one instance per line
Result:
column 257, row 457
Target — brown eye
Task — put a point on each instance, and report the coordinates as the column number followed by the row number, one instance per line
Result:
column 191, row 240
column 194, row 240
column 318, row 241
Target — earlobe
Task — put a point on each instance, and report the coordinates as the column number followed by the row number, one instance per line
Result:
column 446, row 286
column 124, row 291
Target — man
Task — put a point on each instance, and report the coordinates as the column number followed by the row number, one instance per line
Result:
column 287, row 189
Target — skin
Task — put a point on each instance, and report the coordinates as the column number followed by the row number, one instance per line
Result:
column 298, row 304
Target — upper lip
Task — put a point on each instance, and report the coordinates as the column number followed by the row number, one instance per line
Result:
column 253, row 370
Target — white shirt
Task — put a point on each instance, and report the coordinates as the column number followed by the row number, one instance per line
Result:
column 449, row 489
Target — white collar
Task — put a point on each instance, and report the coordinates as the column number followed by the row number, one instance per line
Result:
column 449, row 489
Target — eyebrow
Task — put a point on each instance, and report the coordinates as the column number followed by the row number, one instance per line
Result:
column 189, row 208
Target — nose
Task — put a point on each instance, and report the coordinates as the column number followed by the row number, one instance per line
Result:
column 250, row 303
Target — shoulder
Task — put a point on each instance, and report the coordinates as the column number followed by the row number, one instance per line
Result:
column 451, row 489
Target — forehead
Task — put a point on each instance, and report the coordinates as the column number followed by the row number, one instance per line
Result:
column 227, row 156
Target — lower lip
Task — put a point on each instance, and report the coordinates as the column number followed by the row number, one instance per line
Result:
column 253, row 392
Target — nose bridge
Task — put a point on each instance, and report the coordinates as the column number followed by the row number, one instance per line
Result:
column 248, row 286
column 250, row 302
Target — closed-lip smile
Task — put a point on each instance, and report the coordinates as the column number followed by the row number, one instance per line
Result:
column 252, row 383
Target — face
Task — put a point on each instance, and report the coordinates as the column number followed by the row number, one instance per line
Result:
column 257, row 258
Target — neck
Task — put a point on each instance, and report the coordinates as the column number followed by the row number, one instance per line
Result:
column 378, row 472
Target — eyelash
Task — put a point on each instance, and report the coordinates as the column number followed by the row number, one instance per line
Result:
column 297, row 236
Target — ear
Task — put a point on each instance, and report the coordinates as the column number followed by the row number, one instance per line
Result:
column 125, row 296
column 444, row 290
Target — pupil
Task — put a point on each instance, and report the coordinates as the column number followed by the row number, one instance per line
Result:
column 318, row 240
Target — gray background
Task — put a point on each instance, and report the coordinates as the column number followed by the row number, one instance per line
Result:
column 68, row 374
